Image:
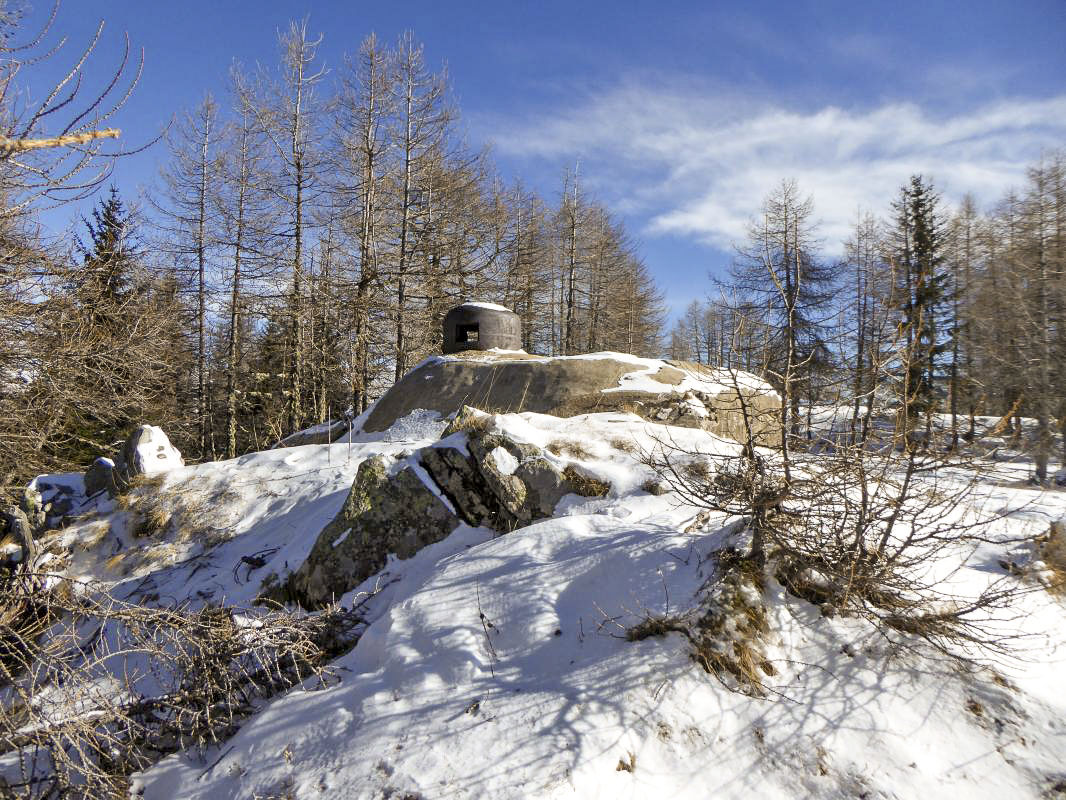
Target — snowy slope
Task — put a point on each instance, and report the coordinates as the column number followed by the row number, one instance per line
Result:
column 497, row 666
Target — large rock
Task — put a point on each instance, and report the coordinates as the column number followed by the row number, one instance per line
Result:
column 147, row 451
column 492, row 482
column 499, row 483
column 381, row 515
column 673, row 393
column 326, row 433
column 100, row 477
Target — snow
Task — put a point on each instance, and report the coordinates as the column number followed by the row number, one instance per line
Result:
column 504, row 461
column 486, row 306
column 496, row 666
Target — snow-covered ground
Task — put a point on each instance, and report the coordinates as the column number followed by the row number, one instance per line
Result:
column 497, row 666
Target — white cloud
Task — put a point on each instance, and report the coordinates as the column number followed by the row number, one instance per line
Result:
column 698, row 166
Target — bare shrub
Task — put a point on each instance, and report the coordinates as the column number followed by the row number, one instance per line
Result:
column 95, row 688
column 726, row 631
column 857, row 530
column 858, row 533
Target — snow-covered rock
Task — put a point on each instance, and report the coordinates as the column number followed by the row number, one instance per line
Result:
column 423, row 498
column 675, row 393
column 147, row 451
column 100, row 477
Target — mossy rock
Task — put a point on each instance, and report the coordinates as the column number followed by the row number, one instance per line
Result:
column 382, row 514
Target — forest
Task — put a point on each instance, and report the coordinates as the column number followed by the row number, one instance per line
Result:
column 309, row 230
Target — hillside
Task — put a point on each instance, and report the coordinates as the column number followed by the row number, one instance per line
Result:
column 506, row 665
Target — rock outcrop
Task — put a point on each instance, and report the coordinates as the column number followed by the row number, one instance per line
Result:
column 501, row 484
column 382, row 514
column 670, row 392
column 326, row 433
column 488, row 479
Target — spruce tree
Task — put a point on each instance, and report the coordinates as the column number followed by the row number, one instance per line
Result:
column 105, row 281
column 923, row 297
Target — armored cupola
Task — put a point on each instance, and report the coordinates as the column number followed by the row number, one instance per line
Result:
column 481, row 326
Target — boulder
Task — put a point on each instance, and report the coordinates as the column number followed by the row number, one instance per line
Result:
column 673, row 393
column 382, row 514
column 494, row 482
column 100, row 477
column 147, row 451
column 500, row 483
column 59, row 494
column 326, row 433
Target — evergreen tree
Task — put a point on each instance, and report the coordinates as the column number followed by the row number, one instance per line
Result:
column 109, row 257
column 923, row 292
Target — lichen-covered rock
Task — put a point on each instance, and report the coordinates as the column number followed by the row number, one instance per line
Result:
column 382, row 514
column 495, row 483
column 461, row 482
column 501, row 484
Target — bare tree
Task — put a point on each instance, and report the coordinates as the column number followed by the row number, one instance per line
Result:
column 423, row 117
column 190, row 232
column 288, row 111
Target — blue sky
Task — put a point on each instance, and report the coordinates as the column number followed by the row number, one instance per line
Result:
column 682, row 115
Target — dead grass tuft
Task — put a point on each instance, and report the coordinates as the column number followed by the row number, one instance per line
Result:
column 92, row 534
column 625, row 445
column 1051, row 549
column 469, row 420
column 655, row 486
column 696, row 469
column 570, row 448
column 656, row 626
column 192, row 510
column 727, row 632
column 586, row 485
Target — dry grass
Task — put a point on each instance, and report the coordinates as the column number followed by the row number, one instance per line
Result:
column 570, row 448
column 729, row 637
column 186, row 678
column 586, row 485
column 192, row 510
column 655, row 486
column 726, row 633
column 625, row 445
column 469, row 420
column 91, row 534
column 697, row 469
column 1052, row 551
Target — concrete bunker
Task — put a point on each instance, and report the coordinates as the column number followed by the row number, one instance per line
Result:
column 481, row 326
